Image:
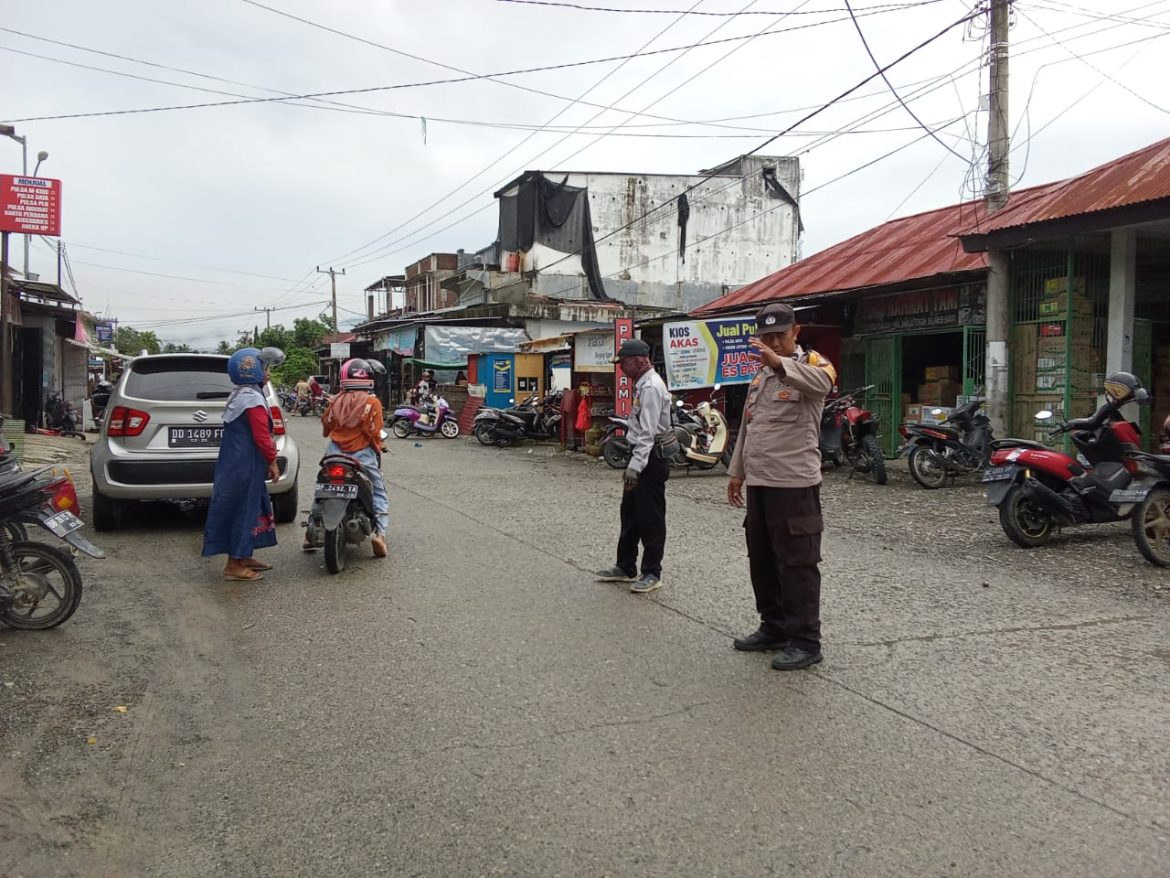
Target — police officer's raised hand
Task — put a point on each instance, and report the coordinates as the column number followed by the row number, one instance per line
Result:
column 735, row 492
column 767, row 356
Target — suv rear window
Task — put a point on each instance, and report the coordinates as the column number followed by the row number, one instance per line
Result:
column 179, row 379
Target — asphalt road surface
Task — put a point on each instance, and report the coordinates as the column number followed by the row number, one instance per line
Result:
column 476, row 705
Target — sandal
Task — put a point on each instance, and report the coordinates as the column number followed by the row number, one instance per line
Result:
column 254, row 564
column 248, row 575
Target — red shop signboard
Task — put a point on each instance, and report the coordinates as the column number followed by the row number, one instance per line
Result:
column 623, row 396
column 30, row 205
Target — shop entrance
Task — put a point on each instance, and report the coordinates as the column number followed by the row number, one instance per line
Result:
column 913, row 374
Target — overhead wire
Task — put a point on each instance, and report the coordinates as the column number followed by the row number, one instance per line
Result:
column 584, row 8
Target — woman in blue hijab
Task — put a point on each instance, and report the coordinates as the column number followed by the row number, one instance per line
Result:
column 240, row 518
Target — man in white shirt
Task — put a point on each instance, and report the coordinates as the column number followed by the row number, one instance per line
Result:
column 643, row 513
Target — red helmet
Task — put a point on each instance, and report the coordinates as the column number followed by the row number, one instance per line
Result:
column 358, row 374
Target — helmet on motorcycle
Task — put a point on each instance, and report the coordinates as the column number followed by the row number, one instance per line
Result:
column 358, row 374
column 246, row 367
column 1122, row 387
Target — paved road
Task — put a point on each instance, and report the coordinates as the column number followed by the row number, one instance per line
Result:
column 476, row 705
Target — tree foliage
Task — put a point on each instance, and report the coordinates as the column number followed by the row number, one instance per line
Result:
column 133, row 342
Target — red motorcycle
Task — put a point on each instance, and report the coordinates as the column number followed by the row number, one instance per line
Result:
column 1039, row 490
column 849, row 431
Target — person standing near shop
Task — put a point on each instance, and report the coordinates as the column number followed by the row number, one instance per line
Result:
column 777, row 456
column 643, row 511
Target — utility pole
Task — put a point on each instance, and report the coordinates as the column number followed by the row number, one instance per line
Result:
column 5, row 336
column 333, row 278
column 996, row 387
column 267, row 316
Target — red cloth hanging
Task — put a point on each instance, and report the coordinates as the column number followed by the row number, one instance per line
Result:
column 584, row 422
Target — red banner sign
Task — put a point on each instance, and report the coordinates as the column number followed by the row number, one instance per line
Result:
column 30, row 205
column 623, row 328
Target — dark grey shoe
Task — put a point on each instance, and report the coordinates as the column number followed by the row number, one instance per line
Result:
column 794, row 658
column 614, row 574
column 646, row 584
column 759, row 640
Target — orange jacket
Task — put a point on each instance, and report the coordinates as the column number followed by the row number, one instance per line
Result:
column 367, row 434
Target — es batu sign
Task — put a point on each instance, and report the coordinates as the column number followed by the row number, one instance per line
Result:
column 703, row 353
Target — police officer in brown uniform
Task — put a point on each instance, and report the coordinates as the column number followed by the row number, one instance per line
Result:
column 777, row 456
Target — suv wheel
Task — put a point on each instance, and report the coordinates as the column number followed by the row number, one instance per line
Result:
column 107, row 512
column 284, row 506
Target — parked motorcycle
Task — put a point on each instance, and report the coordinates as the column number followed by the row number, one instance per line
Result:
column 1150, row 520
column 288, row 400
column 408, row 421
column 850, row 432
column 100, row 399
column 1039, row 490
column 532, row 419
column 40, row 585
column 704, row 440
column 342, row 513
column 958, row 446
column 61, row 418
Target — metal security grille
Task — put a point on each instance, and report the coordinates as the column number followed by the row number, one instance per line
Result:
column 974, row 360
column 883, row 369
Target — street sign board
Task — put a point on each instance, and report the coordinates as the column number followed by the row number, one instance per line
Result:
column 30, row 205
column 339, row 350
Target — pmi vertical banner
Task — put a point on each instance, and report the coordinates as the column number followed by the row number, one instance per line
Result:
column 623, row 390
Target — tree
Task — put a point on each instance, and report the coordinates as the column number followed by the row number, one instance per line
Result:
column 172, row 348
column 276, row 337
column 309, row 333
column 298, row 363
column 225, row 347
column 130, row 341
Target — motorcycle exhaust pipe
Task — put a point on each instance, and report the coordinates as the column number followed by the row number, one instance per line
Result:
column 1048, row 500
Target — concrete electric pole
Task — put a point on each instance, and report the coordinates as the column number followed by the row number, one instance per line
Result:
column 267, row 316
column 333, row 279
column 996, row 388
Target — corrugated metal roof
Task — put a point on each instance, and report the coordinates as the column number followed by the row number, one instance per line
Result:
column 907, row 249
column 1132, row 179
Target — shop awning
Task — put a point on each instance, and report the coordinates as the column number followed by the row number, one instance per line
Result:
column 428, row 364
column 96, row 349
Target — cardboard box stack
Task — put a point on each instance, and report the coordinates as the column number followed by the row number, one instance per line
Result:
column 1055, row 303
column 941, row 387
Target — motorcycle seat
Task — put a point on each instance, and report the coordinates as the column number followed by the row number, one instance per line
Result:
column 1017, row 443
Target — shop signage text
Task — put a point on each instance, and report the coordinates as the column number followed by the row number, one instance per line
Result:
column 30, row 205
column 702, row 353
column 592, row 352
column 623, row 328
column 928, row 309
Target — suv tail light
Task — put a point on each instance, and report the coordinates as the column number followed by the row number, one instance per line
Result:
column 127, row 421
column 277, row 421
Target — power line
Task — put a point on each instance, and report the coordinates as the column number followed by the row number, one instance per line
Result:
column 423, row 84
column 890, row 85
column 386, row 249
column 584, row 8
column 178, row 262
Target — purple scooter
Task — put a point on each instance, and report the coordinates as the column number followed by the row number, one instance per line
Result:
column 408, row 420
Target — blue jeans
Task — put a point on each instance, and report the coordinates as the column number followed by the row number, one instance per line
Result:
column 369, row 462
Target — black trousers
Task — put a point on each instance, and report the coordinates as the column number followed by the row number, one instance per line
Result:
column 784, row 528
column 644, row 520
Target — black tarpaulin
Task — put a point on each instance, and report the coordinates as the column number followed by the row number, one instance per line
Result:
column 555, row 215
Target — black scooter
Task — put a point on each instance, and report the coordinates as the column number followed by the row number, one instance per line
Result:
column 342, row 511
column 958, row 446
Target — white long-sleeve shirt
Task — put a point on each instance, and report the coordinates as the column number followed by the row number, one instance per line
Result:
column 649, row 416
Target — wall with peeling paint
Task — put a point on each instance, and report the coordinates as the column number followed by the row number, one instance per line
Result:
column 738, row 231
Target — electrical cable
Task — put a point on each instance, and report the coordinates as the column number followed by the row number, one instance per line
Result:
column 407, row 85
column 583, row 8
column 386, row 250
column 890, row 85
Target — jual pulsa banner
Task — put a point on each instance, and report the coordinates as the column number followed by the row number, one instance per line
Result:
column 703, row 353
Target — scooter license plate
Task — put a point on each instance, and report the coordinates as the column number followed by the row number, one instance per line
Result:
column 63, row 523
column 1129, row 495
column 998, row 473
column 343, row 492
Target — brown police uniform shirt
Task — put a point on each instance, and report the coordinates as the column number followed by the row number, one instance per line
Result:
column 779, row 435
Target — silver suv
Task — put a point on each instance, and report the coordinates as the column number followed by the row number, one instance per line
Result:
column 161, row 433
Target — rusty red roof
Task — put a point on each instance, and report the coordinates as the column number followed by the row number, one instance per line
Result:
column 911, row 248
column 1132, row 179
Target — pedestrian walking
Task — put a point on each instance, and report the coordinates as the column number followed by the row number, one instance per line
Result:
column 239, row 518
column 643, row 510
column 777, row 456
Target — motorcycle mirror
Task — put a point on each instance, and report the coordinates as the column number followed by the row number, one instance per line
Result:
column 717, row 386
column 511, row 399
column 382, row 434
column 679, row 403
column 1044, row 415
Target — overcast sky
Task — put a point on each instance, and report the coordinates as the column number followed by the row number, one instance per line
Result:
column 271, row 190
